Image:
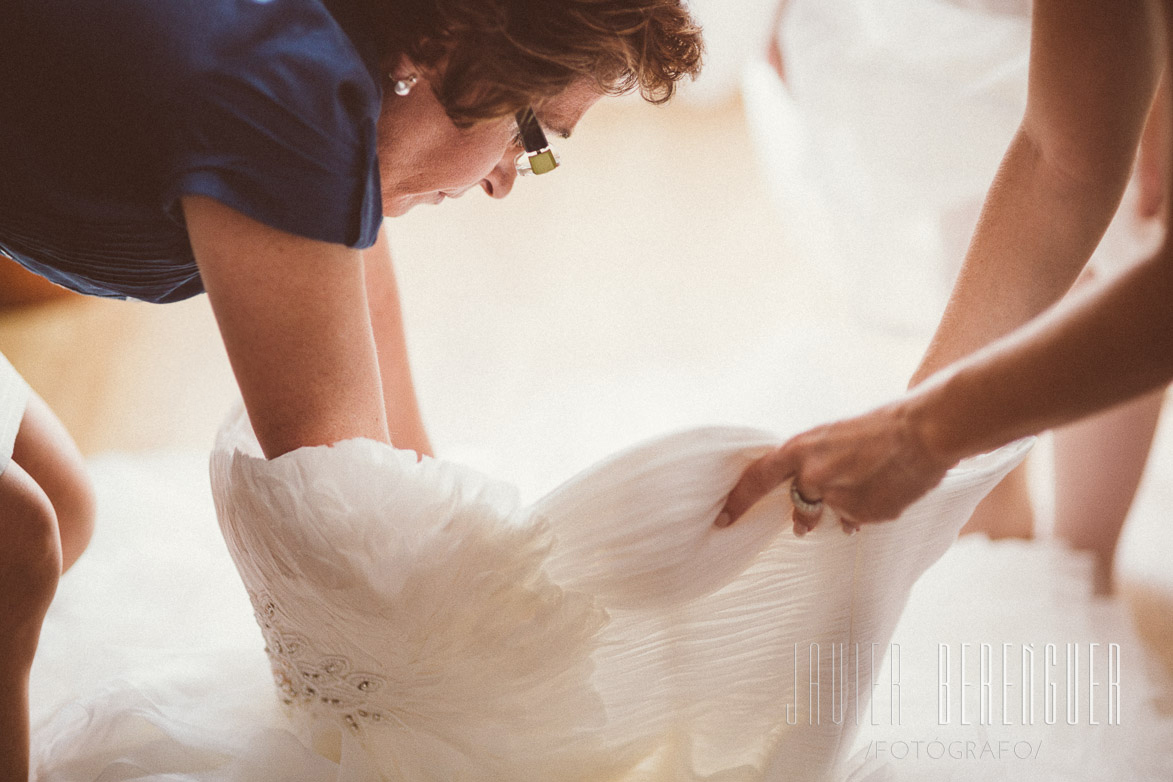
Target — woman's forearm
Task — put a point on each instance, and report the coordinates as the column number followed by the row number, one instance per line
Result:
column 1093, row 71
column 403, row 413
column 1036, row 231
column 1080, row 357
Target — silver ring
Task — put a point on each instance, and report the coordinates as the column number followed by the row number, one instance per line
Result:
column 810, row 507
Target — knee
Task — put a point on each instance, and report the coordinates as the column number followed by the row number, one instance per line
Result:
column 50, row 458
column 75, row 506
column 30, row 559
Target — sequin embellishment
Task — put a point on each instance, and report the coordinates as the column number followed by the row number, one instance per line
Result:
column 308, row 680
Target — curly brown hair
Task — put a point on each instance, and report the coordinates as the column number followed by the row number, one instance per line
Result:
column 499, row 56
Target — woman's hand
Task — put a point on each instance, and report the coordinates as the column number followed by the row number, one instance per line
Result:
column 865, row 469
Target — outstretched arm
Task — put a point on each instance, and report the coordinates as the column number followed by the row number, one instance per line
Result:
column 1083, row 356
column 1093, row 70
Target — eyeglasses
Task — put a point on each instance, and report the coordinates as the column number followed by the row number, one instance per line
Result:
column 538, row 158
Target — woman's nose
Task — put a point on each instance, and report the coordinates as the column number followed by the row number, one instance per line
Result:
column 500, row 180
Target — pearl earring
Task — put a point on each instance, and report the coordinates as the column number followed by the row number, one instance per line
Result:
column 403, row 86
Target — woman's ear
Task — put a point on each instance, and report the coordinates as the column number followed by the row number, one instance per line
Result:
column 399, row 68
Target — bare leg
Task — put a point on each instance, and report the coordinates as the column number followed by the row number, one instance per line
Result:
column 46, row 519
column 1099, row 461
column 30, row 564
column 48, row 454
column 1098, row 466
column 1006, row 512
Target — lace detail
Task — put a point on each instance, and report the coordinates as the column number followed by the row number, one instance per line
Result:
column 312, row 681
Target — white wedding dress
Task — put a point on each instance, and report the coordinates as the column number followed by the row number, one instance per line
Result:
column 422, row 625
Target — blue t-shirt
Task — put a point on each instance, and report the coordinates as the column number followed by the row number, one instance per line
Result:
column 110, row 110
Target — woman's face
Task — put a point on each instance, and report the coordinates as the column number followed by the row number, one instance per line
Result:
column 424, row 158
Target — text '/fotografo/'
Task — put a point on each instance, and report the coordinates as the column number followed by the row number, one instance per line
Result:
column 938, row 749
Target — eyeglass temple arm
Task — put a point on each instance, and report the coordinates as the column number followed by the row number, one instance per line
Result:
column 532, row 136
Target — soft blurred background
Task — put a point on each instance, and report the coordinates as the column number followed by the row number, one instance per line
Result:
column 654, row 282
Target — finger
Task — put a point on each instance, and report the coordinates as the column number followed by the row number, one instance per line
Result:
column 808, row 506
column 802, row 524
column 849, row 527
column 805, row 519
column 758, row 480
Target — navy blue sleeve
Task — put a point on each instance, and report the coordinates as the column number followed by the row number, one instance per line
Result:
column 274, row 115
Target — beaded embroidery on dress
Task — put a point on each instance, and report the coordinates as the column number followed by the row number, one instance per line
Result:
column 324, row 685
